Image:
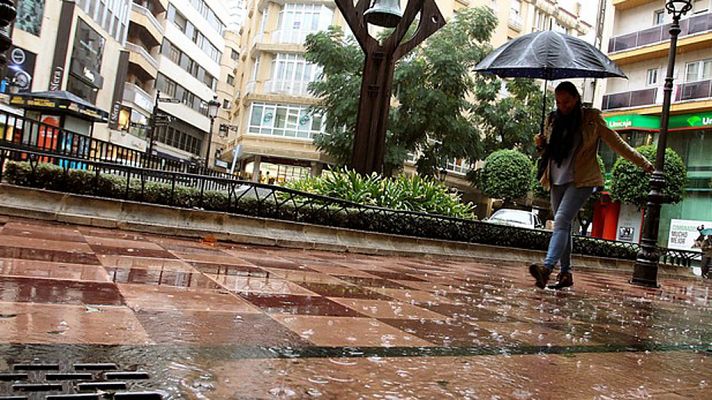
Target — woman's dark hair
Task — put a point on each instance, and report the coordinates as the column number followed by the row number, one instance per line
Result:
column 567, row 128
column 569, row 88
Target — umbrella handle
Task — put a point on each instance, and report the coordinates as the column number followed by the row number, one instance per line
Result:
column 543, row 109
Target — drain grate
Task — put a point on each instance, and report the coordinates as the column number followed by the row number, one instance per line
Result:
column 80, row 381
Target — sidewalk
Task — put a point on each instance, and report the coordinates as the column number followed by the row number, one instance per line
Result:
column 221, row 321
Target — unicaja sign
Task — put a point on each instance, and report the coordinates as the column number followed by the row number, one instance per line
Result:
column 620, row 124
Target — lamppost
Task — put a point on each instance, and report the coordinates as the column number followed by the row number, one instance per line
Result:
column 645, row 272
column 379, row 64
column 213, row 107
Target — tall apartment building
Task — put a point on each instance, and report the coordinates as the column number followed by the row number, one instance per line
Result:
column 72, row 46
column 274, row 129
column 175, row 47
column 639, row 43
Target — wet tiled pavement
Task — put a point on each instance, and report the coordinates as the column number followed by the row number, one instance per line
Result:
column 224, row 321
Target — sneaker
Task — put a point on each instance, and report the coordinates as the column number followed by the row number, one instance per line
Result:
column 563, row 280
column 541, row 274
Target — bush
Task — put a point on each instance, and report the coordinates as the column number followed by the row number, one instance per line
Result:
column 630, row 184
column 333, row 213
column 400, row 193
column 506, row 175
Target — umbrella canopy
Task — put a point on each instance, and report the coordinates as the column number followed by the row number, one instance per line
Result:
column 549, row 55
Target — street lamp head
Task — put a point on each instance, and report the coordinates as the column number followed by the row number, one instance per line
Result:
column 385, row 13
column 213, row 107
column 678, row 7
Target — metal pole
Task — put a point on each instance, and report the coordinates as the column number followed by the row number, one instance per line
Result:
column 149, row 155
column 645, row 272
column 210, row 139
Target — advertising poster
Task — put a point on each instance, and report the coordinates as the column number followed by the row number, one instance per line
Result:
column 683, row 233
column 19, row 71
column 629, row 224
column 47, row 139
column 29, row 15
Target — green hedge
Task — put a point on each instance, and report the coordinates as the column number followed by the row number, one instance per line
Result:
column 46, row 176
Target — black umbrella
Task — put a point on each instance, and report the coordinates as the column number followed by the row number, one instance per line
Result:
column 549, row 55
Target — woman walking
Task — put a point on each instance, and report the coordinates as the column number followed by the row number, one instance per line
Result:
column 569, row 146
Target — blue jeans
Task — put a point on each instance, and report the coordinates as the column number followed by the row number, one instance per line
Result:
column 566, row 200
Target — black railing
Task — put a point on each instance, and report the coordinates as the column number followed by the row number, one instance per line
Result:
column 689, row 26
column 633, row 98
column 694, row 90
column 112, row 180
column 24, row 133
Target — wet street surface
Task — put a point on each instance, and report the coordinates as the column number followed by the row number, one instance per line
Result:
column 210, row 320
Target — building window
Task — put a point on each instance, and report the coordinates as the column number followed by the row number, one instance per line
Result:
column 193, row 34
column 230, row 80
column 188, row 64
column 698, row 71
column 176, row 91
column 234, row 55
column 296, row 21
column 291, row 73
column 284, row 120
column 226, row 104
column 658, row 17
column 700, row 6
column 652, row 77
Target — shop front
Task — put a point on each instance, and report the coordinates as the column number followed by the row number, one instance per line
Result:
column 690, row 135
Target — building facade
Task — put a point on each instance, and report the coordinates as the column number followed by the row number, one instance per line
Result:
column 72, row 46
column 274, row 128
column 639, row 43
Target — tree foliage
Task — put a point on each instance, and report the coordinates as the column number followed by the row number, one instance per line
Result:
column 630, row 184
column 435, row 112
column 506, row 175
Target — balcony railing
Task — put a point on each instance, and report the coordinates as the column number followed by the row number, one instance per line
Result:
column 250, row 87
column 290, row 36
column 689, row 26
column 635, row 98
column 143, row 52
column 151, row 18
column 296, row 88
column 515, row 22
column 694, row 90
column 138, row 96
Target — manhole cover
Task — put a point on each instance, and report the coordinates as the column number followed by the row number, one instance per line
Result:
column 86, row 381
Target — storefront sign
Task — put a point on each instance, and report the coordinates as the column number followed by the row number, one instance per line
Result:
column 61, row 46
column 691, row 120
column 633, row 121
column 121, row 72
column 683, row 233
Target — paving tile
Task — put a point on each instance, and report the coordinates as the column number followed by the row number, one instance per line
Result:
column 229, row 269
column 371, row 282
column 299, row 276
column 50, row 270
column 25, row 253
column 219, row 257
column 339, row 331
column 145, row 263
column 32, row 290
column 431, row 287
column 450, row 333
column 387, row 309
column 130, row 251
column 44, row 244
column 274, row 262
column 145, row 297
column 37, row 232
column 395, row 276
column 258, row 284
column 335, row 270
column 143, row 276
column 110, row 233
column 187, row 327
column 299, row 305
column 413, row 296
column 128, row 244
column 343, row 290
column 67, row 324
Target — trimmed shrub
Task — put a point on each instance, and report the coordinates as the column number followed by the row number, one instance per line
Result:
column 506, row 175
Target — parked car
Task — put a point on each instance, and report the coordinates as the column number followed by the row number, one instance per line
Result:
column 519, row 218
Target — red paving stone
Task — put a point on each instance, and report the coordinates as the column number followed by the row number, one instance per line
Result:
column 234, row 321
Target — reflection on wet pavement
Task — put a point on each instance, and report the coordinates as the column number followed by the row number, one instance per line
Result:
column 221, row 321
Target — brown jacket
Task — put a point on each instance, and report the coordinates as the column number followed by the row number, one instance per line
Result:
column 586, row 170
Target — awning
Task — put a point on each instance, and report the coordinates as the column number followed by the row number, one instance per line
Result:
column 60, row 101
column 701, row 120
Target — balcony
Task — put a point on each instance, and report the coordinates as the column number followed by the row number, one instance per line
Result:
column 628, row 4
column 144, row 60
column 689, row 26
column 139, row 97
column 141, row 16
column 515, row 22
column 293, row 88
column 694, row 90
column 635, row 98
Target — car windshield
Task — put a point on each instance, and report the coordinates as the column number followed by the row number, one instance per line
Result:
column 521, row 217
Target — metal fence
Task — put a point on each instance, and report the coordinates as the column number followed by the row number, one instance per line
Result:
column 69, row 173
